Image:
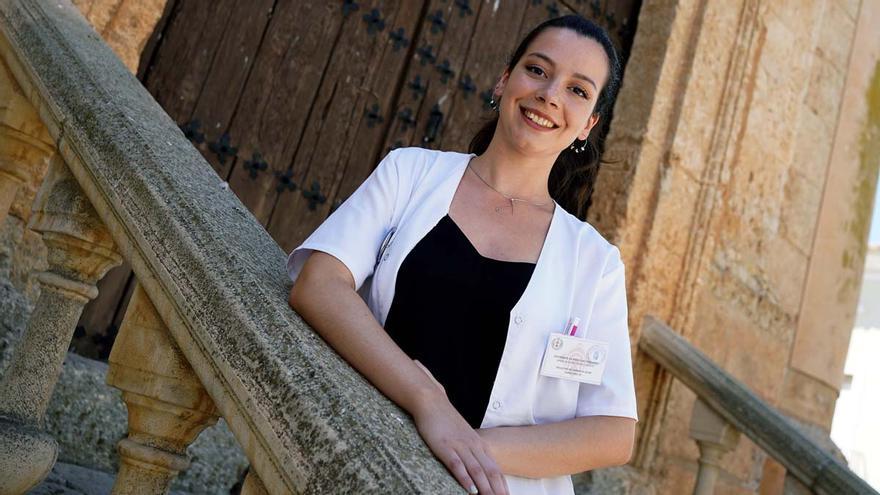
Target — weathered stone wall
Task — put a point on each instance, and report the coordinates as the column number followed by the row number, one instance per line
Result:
column 738, row 206
column 125, row 25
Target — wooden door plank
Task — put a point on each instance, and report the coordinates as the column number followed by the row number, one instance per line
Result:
column 185, row 54
column 382, row 88
column 494, row 39
column 278, row 97
column 442, row 42
column 331, row 131
column 233, row 60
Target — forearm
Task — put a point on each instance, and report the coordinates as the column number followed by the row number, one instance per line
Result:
column 557, row 449
column 336, row 312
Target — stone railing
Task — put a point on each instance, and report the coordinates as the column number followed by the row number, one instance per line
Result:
column 725, row 407
column 208, row 332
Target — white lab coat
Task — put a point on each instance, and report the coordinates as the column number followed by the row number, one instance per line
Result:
column 578, row 274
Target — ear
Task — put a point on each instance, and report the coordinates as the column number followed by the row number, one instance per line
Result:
column 591, row 122
column 501, row 84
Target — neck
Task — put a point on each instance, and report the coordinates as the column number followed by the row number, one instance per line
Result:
column 515, row 174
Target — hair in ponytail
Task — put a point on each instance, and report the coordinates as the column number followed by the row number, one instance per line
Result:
column 573, row 174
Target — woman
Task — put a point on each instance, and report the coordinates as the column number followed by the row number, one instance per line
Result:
column 474, row 271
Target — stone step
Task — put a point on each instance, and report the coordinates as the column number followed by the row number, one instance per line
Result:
column 70, row 479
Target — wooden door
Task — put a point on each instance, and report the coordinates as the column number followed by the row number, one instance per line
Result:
column 294, row 102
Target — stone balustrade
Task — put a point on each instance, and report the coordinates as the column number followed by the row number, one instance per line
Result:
column 725, row 407
column 208, row 332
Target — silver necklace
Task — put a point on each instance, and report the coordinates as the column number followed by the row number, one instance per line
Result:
column 499, row 209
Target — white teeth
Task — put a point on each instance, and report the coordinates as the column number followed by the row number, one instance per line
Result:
column 538, row 120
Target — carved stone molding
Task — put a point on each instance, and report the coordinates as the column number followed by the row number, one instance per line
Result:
column 25, row 144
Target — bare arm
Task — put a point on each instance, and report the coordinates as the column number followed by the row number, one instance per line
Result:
column 352, row 330
column 557, row 449
column 354, row 333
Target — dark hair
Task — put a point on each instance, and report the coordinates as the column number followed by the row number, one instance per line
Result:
column 573, row 174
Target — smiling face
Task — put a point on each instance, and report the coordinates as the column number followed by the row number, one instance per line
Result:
column 548, row 99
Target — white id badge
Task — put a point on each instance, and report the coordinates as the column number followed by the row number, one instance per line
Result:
column 574, row 358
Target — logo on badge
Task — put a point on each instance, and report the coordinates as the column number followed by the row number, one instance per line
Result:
column 556, row 343
column 596, row 354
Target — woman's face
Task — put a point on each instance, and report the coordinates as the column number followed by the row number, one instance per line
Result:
column 547, row 101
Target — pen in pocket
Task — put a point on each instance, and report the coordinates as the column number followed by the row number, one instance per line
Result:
column 574, row 326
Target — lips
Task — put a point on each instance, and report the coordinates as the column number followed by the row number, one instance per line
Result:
column 543, row 118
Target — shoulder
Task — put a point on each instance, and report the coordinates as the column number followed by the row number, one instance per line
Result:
column 413, row 156
column 593, row 250
column 416, row 164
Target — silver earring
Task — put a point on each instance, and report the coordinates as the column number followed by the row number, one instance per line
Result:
column 577, row 149
column 493, row 104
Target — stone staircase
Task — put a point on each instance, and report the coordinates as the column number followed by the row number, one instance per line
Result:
column 208, row 336
column 85, row 415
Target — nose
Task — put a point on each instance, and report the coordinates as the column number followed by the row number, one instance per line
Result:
column 549, row 94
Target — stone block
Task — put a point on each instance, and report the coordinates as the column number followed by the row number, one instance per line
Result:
column 807, row 398
column 772, row 477
column 754, row 357
column 799, row 16
column 785, row 272
column 739, row 287
column 812, row 147
column 825, row 89
column 791, row 29
column 851, row 7
column 800, row 211
column 676, row 476
column 835, row 35
column 674, row 440
column 732, row 486
column 742, row 466
column 125, row 25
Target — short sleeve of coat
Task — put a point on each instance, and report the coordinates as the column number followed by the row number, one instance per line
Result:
column 354, row 232
column 608, row 323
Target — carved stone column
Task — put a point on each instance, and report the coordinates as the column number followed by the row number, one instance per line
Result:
column 80, row 251
column 25, row 144
column 715, row 437
column 167, row 405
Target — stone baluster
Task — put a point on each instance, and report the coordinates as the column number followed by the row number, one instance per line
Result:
column 25, row 144
column 715, row 437
column 80, row 251
column 167, row 405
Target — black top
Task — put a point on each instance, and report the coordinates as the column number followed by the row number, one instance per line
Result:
column 451, row 310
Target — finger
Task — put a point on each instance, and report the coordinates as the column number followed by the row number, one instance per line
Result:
column 476, row 471
column 456, row 466
column 493, row 472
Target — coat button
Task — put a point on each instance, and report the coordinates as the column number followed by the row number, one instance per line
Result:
column 496, row 405
column 518, row 320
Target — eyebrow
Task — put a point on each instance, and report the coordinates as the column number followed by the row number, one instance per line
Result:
column 576, row 74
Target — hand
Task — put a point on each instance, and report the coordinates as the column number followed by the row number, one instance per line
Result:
column 459, row 448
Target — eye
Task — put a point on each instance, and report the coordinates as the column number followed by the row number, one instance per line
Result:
column 535, row 69
column 581, row 92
